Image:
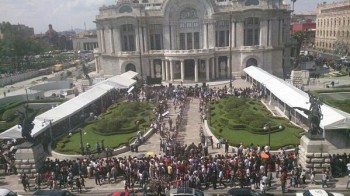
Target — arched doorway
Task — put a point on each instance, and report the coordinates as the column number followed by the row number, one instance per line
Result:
column 130, row 67
column 251, row 62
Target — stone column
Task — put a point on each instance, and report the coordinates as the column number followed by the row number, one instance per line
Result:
column 152, row 68
column 103, row 41
column 166, row 36
column 213, row 68
column 228, row 67
column 182, row 70
column 263, row 33
column 205, row 36
column 171, row 70
column 145, row 38
column 117, row 39
column 167, row 70
column 233, row 35
column 137, row 40
column 211, row 34
column 217, row 68
column 207, row 69
column 112, row 40
column 240, row 34
column 270, row 32
column 163, row 69
column 195, row 70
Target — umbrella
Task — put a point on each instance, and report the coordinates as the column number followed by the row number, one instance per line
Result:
column 264, row 156
column 117, row 193
column 149, row 153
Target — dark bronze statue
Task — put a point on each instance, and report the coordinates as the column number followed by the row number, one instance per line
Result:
column 26, row 123
column 314, row 114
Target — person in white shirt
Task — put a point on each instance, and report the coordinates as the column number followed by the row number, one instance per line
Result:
column 267, row 148
column 263, row 187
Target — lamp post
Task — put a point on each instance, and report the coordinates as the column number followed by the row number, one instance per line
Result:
column 139, row 45
column 230, row 30
column 267, row 127
column 81, row 140
column 209, row 115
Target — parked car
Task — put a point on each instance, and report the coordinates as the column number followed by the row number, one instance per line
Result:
column 53, row 193
column 245, row 192
column 185, row 192
column 7, row 192
column 318, row 192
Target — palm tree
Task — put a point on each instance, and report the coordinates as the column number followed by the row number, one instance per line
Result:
column 299, row 38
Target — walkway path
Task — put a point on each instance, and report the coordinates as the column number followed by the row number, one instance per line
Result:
column 189, row 132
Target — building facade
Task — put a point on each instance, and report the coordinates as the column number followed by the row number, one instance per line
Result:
column 85, row 43
column 333, row 27
column 193, row 40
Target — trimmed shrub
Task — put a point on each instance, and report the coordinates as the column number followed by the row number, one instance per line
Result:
column 9, row 115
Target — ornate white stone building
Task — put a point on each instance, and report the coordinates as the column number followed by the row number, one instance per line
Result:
column 193, row 40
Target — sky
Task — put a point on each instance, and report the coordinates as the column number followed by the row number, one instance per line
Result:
column 72, row 14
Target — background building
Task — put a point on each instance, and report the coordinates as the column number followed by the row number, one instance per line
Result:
column 85, row 41
column 307, row 24
column 333, row 27
column 193, row 40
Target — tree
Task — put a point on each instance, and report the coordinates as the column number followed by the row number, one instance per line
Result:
column 340, row 48
column 299, row 38
column 15, row 46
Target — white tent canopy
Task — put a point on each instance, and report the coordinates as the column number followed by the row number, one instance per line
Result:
column 72, row 106
column 294, row 97
column 129, row 74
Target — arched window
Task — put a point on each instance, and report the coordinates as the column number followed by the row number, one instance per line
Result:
column 251, row 31
column 252, row 62
column 222, row 33
column 128, row 37
column 130, row 67
column 189, row 29
column 125, row 8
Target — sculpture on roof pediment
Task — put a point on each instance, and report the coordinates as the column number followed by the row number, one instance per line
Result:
column 188, row 13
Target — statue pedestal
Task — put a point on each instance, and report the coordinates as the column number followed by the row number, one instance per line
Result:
column 29, row 158
column 313, row 154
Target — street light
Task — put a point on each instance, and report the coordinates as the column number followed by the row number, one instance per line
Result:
column 81, row 139
column 267, row 127
column 209, row 115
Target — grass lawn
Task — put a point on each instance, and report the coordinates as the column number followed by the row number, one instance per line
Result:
column 242, row 120
column 72, row 143
column 116, row 127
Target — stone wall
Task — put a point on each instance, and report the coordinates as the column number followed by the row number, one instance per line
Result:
column 29, row 159
column 313, row 154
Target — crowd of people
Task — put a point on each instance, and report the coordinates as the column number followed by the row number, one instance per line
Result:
column 184, row 165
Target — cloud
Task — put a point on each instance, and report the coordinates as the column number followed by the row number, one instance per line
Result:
column 63, row 14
